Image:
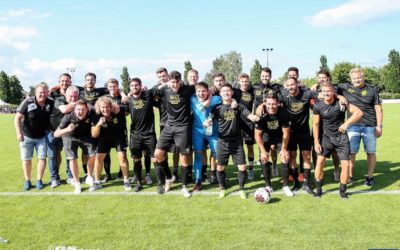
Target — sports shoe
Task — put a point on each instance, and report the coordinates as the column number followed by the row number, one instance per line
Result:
column 287, row 191
column 251, row 175
column 296, row 186
column 242, row 194
column 186, row 192
column 369, row 181
column 107, row 178
column 197, row 188
column 27, row 185
column 78, row 189
column 275, row 171
column 95, row 187
column 138, row 188
column 343, row 195
column 160, row 189
column 269, row 188
column 70, row 181
column 127, row 186
column 350, row 181
column 307, row 188
column 222, row 194
column 39, row 184
column 168, row 183
column 54, row 183
column 89, row 180
column 147, row 180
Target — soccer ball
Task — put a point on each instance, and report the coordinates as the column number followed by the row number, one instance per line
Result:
column 262, row 195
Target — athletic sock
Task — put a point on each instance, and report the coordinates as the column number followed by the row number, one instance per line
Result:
column 266, row 169
column 318, row 184
column 221, row 175
column 107, row 164
column 213, row 172
column 159, row 173
column 291, row 172
column 251, row 162
column 296, row 174
column 307, row 175
column 190, row 172
column 147, row 163
column 242, row 179
column 175, row 170
column 84, row 166
column 165, row 169
column 204, row 170
column 285, row 173
column 137, row 169
column 185, row 175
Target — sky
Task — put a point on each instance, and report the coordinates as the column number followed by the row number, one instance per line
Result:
column 39, row 40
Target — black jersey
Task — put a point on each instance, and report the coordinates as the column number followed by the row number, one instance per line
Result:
column 364, row 98
column 92, row 96
column 82, row 127
column 158, row 102
column 118, row 100
column 244, row 97
column 298, row 107
column 331, row 117
column 177, row 104
column 56, row 116
column 36, row 118
column 271, row 125
column 261, row 90
column 142, row 114
column 114, row 126
column 229, row 121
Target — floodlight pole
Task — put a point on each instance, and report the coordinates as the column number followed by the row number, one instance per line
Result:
column 268, row 50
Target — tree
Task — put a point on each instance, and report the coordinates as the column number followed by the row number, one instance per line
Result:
column 16, row 90
column 372, row 76
column 340, row 72
column 229, row 64
column 390, row 73
column 255, row 72
column 309, row 81
column 5, row 88
column 11, row 90
column 324, row 63
column 125, row 79
column 188, row 67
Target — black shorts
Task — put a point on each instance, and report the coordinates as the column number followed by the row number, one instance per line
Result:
column 140, row 143
column 339, row 143
column 225, row 149
column 104, row 144
column 300, row 136
column 71, row 146
column 277, row 142
column 179, row 138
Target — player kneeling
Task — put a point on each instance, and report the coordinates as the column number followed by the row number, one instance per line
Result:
column 75, row 129
column 329, row 112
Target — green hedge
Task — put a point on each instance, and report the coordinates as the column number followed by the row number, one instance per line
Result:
column 387, row 95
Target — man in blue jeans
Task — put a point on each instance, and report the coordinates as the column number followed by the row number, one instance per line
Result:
column 369, row 127
column 30, row 122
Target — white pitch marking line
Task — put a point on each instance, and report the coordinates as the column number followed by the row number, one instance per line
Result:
column 201, row 193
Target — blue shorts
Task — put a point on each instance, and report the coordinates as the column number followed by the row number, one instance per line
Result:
column 198, row 142
column 367, row 134
column 29, row 144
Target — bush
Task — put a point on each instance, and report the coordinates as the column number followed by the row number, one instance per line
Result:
column 387, row 95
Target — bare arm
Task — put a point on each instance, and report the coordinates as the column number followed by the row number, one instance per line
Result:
column 96, row 129
column 264, row 155
column 67, row 108
column 18, row 128
column 60, row 132
column 356, row 114
column 285, row 142
column 379, row 120
column 316, row 124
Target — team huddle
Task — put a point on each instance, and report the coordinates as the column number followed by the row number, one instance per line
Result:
column 195, row 117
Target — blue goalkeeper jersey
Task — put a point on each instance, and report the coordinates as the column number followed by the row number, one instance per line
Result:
column 201, row 113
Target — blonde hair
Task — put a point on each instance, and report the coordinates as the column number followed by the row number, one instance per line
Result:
column 105, row 100
column 356, row 70
column 42, row 85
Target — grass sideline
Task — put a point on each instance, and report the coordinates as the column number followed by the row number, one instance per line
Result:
column 203, row 221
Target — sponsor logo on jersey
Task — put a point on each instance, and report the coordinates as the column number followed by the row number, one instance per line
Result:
column 246, row 97
column 229, row 115
column 273, row 124
column 296, row 106
column 138, row 104
column 364, row 93
column 31, row 107
column 174, row 99
column 259, row 92
column 115, row 121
